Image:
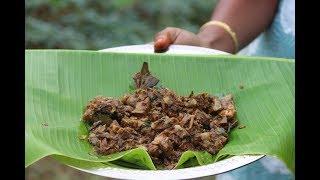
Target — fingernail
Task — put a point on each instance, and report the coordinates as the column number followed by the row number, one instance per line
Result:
column 160, row 38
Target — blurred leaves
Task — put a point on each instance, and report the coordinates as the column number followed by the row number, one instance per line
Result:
column 81, row 24
column 122, row 3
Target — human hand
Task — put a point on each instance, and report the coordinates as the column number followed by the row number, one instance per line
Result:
column 210, row 37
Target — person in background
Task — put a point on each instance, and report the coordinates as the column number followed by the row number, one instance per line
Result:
column 256, row 27
column 246, row 27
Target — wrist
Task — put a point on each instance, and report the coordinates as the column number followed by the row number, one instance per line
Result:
column 215, row 37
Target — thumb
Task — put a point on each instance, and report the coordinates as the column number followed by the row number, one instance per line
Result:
column 165, row 38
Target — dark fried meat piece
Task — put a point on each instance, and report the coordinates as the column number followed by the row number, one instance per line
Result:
column 160, row 120
column 144, row 79
column 105, row 110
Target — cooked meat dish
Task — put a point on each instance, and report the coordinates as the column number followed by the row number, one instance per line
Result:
column 158, row 119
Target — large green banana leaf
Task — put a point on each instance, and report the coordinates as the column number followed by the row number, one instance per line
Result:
column 59, row 83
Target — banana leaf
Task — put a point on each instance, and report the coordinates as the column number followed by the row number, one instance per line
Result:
column 59, row 83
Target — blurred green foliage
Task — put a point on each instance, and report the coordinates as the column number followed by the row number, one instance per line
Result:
column 98, row 24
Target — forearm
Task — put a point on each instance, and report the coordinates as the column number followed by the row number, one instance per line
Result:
column 247, row 18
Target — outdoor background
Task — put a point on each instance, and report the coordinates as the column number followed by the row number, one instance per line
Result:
column 99, row 24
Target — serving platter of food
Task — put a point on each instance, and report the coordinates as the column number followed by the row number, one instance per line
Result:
column 171, row 129
column 130, row 113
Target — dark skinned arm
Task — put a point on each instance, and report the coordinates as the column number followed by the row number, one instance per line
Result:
column 247, row 18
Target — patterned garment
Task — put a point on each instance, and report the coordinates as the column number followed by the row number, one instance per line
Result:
column 277, row 41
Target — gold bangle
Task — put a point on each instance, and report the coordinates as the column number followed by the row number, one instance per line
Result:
column 227, row 28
